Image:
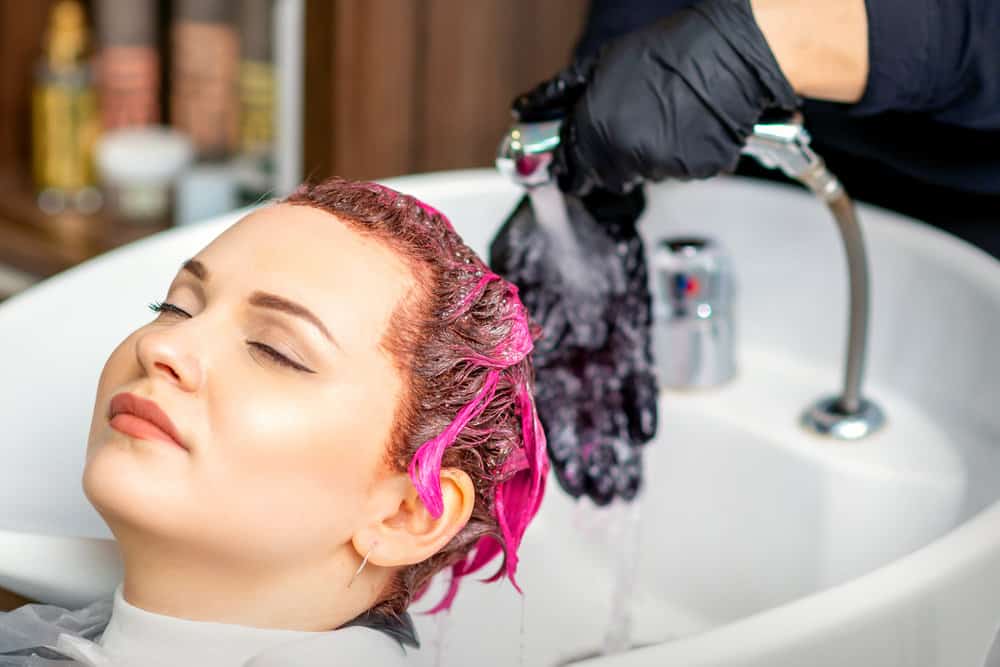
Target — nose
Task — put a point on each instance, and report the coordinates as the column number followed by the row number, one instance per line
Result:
column 170, row 354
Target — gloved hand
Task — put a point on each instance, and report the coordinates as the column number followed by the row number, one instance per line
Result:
column 676, row 99
column 595, row 386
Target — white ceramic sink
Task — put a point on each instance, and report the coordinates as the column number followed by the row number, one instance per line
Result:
column 760, row 543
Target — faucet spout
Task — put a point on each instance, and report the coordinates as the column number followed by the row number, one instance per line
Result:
column 525, row 152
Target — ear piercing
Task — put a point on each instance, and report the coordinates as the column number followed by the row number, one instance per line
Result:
column 364, row 562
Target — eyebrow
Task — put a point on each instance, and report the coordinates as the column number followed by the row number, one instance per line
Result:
column 196, row 268
column 266, row 300
column 279, row 303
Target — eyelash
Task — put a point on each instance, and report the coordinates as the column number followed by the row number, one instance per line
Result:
column 273, row 354
column 164, row 307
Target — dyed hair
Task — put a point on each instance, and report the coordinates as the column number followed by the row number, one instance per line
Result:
column 461, row 341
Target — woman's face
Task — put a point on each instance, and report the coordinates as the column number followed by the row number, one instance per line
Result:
column 268, row 365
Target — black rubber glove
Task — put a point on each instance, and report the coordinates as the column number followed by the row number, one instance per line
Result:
column 676, row 99
column 595, row 385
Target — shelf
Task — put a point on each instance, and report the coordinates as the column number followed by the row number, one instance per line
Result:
column 42, row 245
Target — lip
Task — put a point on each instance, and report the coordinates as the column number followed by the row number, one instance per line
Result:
column 142, row 418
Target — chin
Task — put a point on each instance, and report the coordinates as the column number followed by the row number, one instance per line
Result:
column 128, row 491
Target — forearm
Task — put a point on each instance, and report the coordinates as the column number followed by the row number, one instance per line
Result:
column 820, row 45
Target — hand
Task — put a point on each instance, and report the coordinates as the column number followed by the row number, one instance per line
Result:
column 676, row 99
column 595, row 386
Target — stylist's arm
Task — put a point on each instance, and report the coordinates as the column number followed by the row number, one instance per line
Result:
column 678, row 98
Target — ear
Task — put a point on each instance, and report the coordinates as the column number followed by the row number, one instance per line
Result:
column 404, row 531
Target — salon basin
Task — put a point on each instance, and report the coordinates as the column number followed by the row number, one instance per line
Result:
column 760, row 543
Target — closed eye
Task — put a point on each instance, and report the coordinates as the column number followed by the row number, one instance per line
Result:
column 278, row 357
column 164, row 307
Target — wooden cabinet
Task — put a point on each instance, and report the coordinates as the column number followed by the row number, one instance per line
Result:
column 403, row 86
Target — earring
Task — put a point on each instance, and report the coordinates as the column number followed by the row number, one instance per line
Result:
column 364, row 562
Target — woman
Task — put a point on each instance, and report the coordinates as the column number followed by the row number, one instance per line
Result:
column 333, row 403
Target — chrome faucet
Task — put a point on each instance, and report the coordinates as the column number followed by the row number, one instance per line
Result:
column 525, row 152
column 694, row 337
column 525, row 155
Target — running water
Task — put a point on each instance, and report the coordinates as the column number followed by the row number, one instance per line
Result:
column 618, row 636
column 549, row 206
column 521, row 647
column 441, row 622
column 615, row 530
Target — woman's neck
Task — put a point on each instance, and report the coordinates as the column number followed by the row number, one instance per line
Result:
column 300, row 596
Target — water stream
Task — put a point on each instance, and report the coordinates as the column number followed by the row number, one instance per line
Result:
column 441, row 623
column 615, row 530
column 623, row 542
column 549, row 206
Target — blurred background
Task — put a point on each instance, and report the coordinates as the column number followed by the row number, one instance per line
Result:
column 121, row 118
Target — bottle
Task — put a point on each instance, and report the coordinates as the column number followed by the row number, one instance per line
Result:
column 64, row 115
column 128, row 63
column 205, row 50
column 255, row 164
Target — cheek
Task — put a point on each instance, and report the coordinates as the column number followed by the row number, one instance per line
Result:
column 299, row 453
column 120, row 368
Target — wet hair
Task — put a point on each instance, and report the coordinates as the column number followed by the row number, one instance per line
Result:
column 461, row 340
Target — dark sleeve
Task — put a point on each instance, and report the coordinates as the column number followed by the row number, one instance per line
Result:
column 610, row 19
column 936, row 57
